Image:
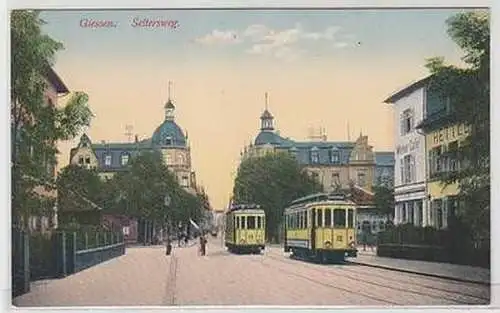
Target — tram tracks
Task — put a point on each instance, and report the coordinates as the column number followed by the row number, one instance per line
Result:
column 170, row 295
column 329, row 285
column 404, row 286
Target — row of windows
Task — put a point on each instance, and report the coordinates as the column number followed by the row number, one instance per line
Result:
column 124, row 158
column 361, row 178
column 83, row 160
column 444, row 159
column 334, row 156
column 249, row 222
column 372, row 227
column 338, row 218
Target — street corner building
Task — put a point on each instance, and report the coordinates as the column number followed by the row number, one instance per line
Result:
column 425, row 136
column 337, row 165
column 54, row 89
column 112, row 157
column 109, row 158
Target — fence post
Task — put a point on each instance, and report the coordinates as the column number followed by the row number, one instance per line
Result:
column 86, row 240
column 73, row 254
column 96, row 240
column 112, row 241
column 26, row 260
column 62, row 257
column 105, row 239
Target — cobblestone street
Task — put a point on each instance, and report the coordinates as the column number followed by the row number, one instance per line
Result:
column 145, row 276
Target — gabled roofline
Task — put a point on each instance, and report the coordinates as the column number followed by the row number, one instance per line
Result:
column 408, row 89
column 56, row 81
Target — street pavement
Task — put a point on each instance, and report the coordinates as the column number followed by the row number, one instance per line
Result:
column 146, row 276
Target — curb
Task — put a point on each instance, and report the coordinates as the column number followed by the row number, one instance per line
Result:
column 422, row 273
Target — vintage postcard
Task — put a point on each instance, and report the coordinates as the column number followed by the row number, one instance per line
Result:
column 250, row 157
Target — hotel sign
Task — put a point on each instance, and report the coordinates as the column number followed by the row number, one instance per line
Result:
column 450, row 134
column 412, row 145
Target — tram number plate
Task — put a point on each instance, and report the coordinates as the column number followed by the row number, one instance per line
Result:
column 339, row 238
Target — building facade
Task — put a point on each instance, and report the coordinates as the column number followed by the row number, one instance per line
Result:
column 112, row 157
column 443, row 136
column 410, row 161
column 335, row 164
column 54, row 89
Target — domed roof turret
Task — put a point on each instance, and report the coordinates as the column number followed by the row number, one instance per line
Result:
column 169, row 133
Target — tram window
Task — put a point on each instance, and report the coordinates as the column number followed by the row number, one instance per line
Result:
column 243, row 226
column 305, row 219
column 339, row 218
column 259, row 222
column 328, row 217
column 301, row 220
column 350, row 218
column 319, row 220
column 237, row 222
column 251, row 222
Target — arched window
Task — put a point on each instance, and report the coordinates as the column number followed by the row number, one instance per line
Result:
column 180, row 159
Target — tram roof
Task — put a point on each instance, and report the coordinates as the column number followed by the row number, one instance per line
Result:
column 246, row 207
column 321, row 197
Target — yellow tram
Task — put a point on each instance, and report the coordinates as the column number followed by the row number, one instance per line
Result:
column 245, row 229
column 321, row 227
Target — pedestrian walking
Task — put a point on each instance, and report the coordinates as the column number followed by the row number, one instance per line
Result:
column 203, row 244
column 168, row 246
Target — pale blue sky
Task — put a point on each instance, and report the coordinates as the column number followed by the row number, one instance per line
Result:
column 222, row 62
column 388, row 32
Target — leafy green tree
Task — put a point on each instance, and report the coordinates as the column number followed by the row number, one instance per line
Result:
column 384, row 196
column 36, row 126
column 79, row 188
column 272, row 181
column 468, row 89
column 141, row 189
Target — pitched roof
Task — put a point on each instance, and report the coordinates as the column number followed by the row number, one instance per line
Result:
column 408, row 89
column 56, row 81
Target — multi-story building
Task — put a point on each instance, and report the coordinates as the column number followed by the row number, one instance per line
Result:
column 443, row 136
column 337, row 165
column 55, row 88
column 168, row 138
column 410, row 162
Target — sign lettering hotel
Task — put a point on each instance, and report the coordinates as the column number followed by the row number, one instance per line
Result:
column 449, row 134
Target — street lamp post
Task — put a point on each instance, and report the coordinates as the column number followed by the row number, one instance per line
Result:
column 167, row 201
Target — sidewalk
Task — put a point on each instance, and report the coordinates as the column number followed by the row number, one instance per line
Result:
column 140, row 277
column 462, row 273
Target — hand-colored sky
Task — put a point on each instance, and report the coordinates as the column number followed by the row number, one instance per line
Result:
column 321, row 68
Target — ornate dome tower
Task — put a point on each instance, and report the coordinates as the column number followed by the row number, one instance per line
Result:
column 266, row 119
column 169, row 134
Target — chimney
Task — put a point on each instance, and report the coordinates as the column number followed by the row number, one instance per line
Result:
column 136, row 138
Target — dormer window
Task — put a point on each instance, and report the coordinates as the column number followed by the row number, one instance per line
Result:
column 314, row 155
column 80, row 160
column 168, row 141
column 87, row 159
column 124, row 159
column 107, row 160
column 335, row 156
